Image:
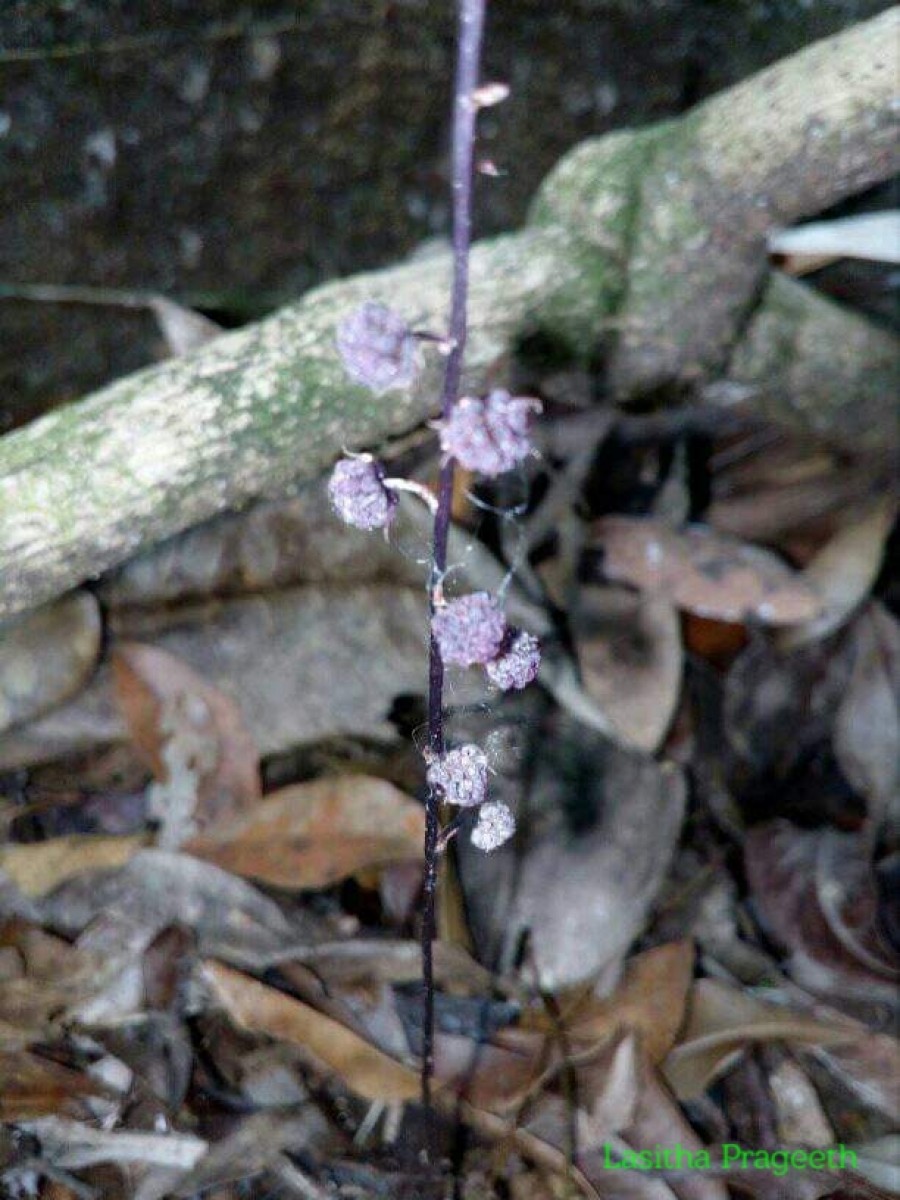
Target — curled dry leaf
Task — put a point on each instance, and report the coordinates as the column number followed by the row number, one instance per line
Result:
column 47, row 655
column 630, row 657
column 867, row 725
column 596, row 820
column 51, row 978
column 314, row 834
column 31, row 1086
column 658, row 1121
column 844, row 570
column 800, row 1116
column 331, row 1047
column 192, row 737
column 869, row 1066
column 723, row 1021
column 815, row 893
column 497, row 1074
column 704, row 572
column 157, row 888
column 254, row 1145
column 650, row 1001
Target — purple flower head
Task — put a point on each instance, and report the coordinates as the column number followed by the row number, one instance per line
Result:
column 377, row 348
column 489, row 436
column 469, row 630
column 461, row 775
column 517, row 663
column 357, row 492
column 496, row 825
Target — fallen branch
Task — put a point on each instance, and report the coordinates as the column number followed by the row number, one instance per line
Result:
column 661, row 232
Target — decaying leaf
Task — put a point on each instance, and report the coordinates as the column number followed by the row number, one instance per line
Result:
column 658, row 1121
column 650, row 1001
column 630, row 657
column 191, row 735
column 354, row 649
column 778, row 706
column 74, row 1145
column 253, row 1146
column 31, row 1086
column 704, row 572
column 331, row 1047
column 47, row 655
column 722, row 1021
column 595, row 820
column 798, row 1110
column 157, row 888
column 314, row 834
column 269, row 545
column 844, row 570
column 815, row 893
column 37, row 868
column 867, row 725
column 869, row 1066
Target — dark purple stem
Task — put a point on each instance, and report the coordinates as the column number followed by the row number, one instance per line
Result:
column 471, row 25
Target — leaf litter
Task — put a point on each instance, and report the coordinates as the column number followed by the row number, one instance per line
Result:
column 209, row 967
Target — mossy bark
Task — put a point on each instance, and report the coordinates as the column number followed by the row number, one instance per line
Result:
column 615, row 238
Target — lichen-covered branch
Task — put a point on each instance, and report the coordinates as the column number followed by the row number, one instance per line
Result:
column 656, row 235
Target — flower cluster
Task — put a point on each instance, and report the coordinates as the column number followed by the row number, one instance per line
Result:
column 460, row 775
column 377, row 348
column 487, row 435
column 472, row 631
column 359, row 495
column 469, row 630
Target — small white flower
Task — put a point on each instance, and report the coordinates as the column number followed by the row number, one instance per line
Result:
column 496, row 825
column 461, row 774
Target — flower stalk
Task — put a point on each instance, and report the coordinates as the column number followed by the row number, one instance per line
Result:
column 487, row 435
column 471, row 29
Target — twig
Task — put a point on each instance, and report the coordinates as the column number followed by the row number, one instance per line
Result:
column 471, row 25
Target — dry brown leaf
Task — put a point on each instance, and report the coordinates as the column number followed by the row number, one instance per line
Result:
column 705, row 572
column 231, row 919
column 722, row 1021
column 869, row 1066
column 191, row 735
column 650, row 1001
column 35, row 1087
column 844, row 570
column 658, row 1121
column 816, row 895
column 332, row 1047
column 493, row 1075
column 630, row 657
column 52, row 976
column 314, row 834
column 37, row 868
column 598, row 821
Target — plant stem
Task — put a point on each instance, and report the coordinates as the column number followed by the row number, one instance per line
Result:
column 471, row 25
